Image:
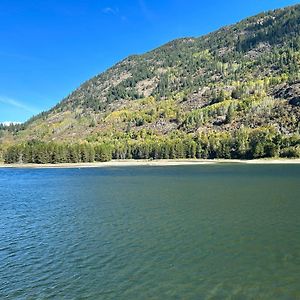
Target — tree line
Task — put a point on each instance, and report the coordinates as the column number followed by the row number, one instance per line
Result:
column 241, row 144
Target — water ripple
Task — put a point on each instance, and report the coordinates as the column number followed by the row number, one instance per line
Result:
column 199, row 232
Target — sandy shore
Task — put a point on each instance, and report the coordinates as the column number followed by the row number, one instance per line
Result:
column 161, row 162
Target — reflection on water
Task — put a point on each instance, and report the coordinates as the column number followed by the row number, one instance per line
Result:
column 188, row 232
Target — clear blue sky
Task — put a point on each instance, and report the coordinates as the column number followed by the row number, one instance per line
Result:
column 49, row 47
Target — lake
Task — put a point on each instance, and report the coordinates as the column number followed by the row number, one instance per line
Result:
column 224, row 231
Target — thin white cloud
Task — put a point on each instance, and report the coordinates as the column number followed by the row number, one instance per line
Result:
column 18, row 104
column 7, row 123
column 110, row 10
column 114, row 11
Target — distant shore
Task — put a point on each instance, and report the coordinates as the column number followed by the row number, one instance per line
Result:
column 159, row 163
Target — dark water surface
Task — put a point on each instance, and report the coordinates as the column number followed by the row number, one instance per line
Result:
column 189, row 232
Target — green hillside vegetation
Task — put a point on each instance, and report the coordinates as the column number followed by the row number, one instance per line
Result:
column 234, row 93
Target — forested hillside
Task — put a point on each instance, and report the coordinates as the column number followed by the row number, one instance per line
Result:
column 234, row 93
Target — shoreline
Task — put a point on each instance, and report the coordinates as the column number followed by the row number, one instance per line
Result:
column 151, row 163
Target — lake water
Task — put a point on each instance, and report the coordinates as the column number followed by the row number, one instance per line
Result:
column 187, row 232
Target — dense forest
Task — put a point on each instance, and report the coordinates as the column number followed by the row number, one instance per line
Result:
column 243, row 144
column 234, row 93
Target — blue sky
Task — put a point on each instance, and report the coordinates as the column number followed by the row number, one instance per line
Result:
column 49, row 47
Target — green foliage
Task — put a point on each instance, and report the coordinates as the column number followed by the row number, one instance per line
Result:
column 291, row 152
column 243, row 143
column 272, row 29
column 216, row 96
column 103, row 152
column 11, row 127
column 230, row 114
column 185, row 65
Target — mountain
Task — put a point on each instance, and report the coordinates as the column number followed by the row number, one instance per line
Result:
column 232, row 93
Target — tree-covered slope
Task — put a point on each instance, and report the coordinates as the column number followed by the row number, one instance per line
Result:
column 232, row 93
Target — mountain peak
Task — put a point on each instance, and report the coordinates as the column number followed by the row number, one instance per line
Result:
column 240, row 77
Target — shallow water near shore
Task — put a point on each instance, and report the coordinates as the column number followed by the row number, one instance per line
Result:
column 178, row 232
